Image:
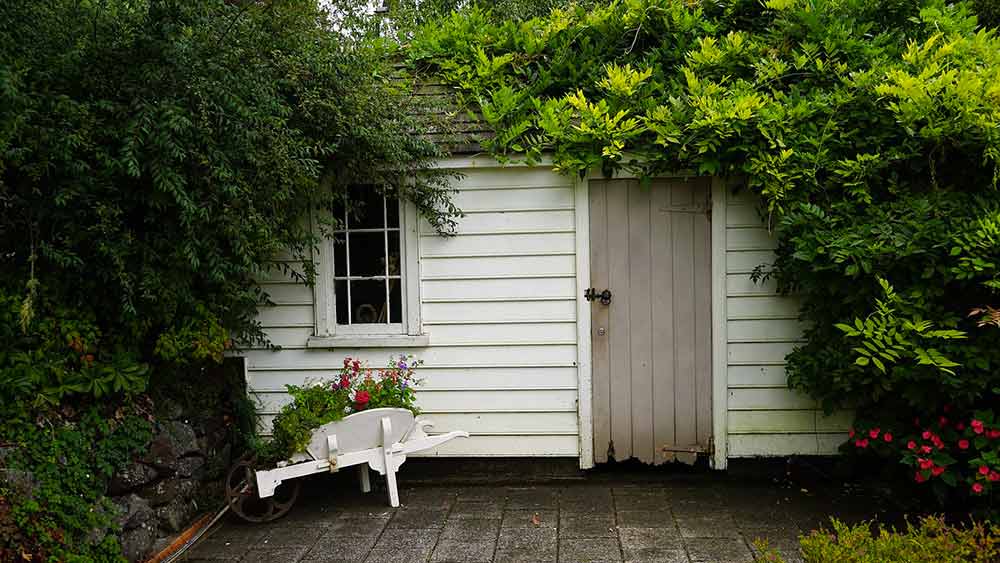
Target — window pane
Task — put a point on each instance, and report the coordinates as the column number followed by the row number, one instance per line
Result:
column 394, row 265
column 340, row 255
column 392, row 213
column 395, row 301
column 340, row 290
column 366, row 205
column 367, row 254
column 368, row 301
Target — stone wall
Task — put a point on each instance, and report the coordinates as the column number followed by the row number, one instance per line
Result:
column 178, row 478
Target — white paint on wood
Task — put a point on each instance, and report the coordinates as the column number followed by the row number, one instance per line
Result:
column 720, row 418
column 498, row 303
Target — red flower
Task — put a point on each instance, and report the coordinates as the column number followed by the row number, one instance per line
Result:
column 850, row 433
column 963, row 444
column 873, row 432
column 919, row 477
column 993, row 434
column 345, row 382
column 937, row 442
column 911, row 445
column 977, row 426
column 861, row 443
column 925, row 449
column 887, row 436
column 994, row 476
column 943, row 421
column 925, row 463
column 347, row 361
column 361, row 399
column 935, row 471
column 926, row 435
column 983, row 470
column 977, row 488
column 959, row 426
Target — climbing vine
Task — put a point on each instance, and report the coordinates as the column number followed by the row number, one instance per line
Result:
column 870, row 129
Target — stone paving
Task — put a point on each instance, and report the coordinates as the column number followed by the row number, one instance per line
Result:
column 706, row 519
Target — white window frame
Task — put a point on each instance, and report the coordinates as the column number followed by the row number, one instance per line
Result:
column 406, row 333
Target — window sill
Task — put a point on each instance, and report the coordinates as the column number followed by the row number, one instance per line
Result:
column 374, row 341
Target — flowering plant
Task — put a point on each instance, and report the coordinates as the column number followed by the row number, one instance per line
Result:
column 956, row 450
column 355, row 388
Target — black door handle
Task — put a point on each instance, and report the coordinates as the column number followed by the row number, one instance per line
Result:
column 591, row 294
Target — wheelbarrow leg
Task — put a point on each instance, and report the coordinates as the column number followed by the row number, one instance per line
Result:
column 366, row 482
column 390, row 466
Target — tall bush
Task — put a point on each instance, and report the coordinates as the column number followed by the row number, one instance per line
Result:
column 870, row 129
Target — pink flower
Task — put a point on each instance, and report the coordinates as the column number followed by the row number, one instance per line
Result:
column 994, row 476
column 850, row 433
column 926, row 435
column 919, row 477
column 911, row 445
column 873, row 432
column 977, row 426
column 924, row 463
column 935, row 471
column 925, row 449
column 983, row 470
column 963, row 444
column 861, row 443
column 977, row 488
column 887, row 436
column 993, row 434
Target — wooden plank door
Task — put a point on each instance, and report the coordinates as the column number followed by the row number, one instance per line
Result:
column 652, row 378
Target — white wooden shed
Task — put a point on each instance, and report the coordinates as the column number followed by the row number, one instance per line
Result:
column 687, row 356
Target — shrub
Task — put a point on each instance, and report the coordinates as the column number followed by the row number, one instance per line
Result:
column 931, row 541
column 356, row 388
column 869, row 129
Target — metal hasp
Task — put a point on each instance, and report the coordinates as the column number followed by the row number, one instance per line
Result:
column 591, row 294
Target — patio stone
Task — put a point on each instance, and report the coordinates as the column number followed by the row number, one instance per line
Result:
column 594, row 550
column 289, row 554
column 533, row 497
column 645, row 519
column 482, row 494
column 587, row 526
column 341, row 547
column 714, row 550
column 355, row 528
column 707, row 526
column 646, row 544
column 523, row 518
column 526, row 546
column 470, row 529
column 219, row 549
column 407, row 538
column 418, row 518
column 290, row 537
column 456, row 551
column 479, row 510
column 398, row 555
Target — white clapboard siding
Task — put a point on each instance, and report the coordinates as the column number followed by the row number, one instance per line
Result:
column 765, row 417
column 498, row 302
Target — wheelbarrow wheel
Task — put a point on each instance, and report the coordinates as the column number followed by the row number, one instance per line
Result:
column 243, row 500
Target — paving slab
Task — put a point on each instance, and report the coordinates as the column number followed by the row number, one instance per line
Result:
column 647, row 517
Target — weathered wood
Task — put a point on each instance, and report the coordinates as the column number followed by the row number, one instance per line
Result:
column 640, row 350
column 600, row 350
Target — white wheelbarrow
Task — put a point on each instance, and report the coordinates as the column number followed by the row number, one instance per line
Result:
column 377, row 438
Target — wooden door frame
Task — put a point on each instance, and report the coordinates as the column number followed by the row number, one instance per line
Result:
column 583, row 321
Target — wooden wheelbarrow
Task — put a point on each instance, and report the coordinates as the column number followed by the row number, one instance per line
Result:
column 379, row 439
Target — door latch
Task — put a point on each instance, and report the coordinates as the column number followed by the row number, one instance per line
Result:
column 591, row 294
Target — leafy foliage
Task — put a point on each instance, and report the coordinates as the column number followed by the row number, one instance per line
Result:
column 58, row 511
column 870, row 129
column 356, row 388
column 931, row 540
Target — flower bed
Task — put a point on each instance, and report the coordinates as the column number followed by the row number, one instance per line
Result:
column 356, row 388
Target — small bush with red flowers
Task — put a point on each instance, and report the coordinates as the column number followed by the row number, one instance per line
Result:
column 356, row 388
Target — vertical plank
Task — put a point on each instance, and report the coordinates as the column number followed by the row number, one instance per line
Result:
column 703, row 313
column 618, row 327
column 584, row 390
column 720, row 375
column 682, row 230
column 640, row 321
column 663, row 317
column 601, row 355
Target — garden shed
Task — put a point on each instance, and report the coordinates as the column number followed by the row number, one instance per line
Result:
column 522, row 346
